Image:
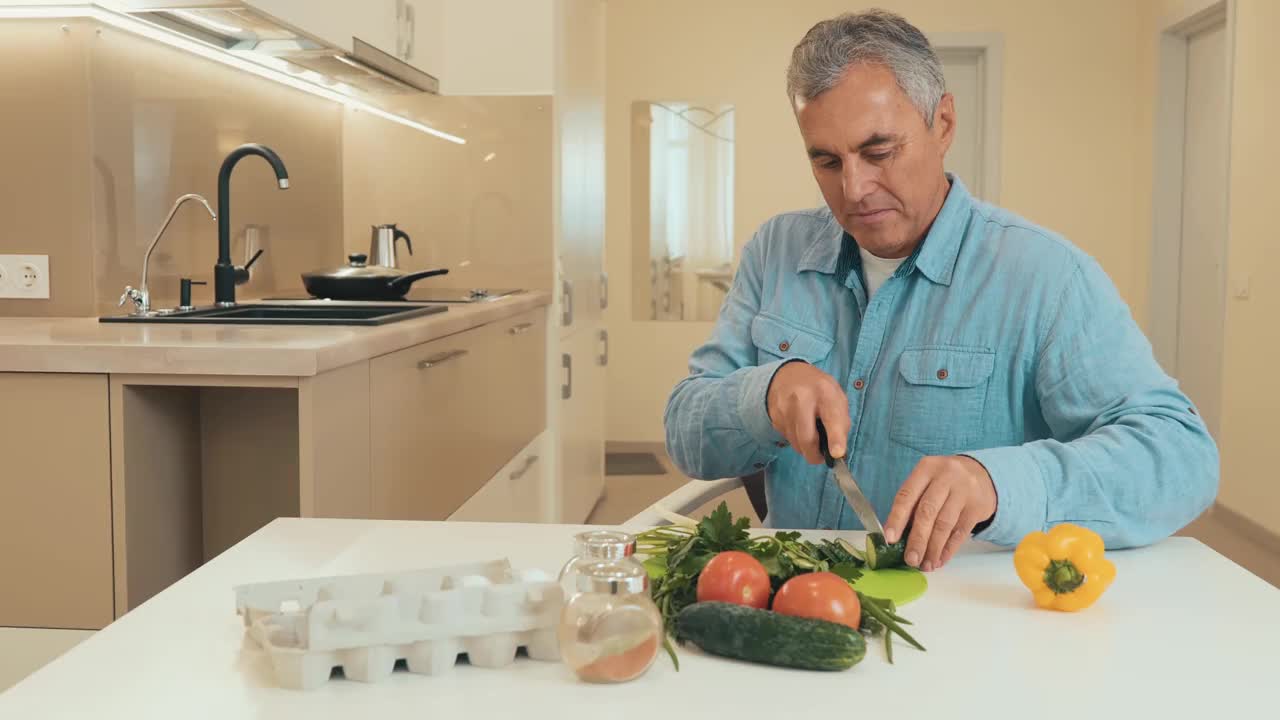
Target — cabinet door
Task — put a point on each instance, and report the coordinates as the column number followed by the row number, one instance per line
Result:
column 582, row 420
column 579, row 103
column 423, row 23
column 429, row 434
column 516, row 400
column 514, row 494
column 55, row 501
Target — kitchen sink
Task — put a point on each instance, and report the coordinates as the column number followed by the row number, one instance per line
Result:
column 300, row 313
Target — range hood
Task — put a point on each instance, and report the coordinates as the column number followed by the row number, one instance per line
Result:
column 257, row 37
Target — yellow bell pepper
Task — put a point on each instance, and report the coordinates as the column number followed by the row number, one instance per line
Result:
column 1064, row 569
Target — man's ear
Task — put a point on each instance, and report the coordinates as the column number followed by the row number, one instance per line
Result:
column 944, row 122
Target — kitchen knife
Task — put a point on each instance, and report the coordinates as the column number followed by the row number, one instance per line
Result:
column 861, row 505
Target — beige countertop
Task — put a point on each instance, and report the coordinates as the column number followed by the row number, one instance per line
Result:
column 84, row 345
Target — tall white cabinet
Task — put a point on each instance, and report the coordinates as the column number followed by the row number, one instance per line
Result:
column 583, row 341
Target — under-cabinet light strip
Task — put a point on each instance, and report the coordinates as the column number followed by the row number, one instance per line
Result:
column 209, row 52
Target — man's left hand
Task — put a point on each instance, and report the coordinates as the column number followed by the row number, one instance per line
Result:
column 943, row 498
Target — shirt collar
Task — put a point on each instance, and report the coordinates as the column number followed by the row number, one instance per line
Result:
column 935, row 257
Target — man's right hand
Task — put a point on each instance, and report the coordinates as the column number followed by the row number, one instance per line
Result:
column 800, row 394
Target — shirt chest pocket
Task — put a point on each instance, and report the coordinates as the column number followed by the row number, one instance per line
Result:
column 778, row 339
column 939, row 398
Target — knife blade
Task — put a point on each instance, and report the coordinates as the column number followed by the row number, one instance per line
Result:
column 861, row 505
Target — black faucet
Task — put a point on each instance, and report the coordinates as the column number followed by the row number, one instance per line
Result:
column 226, row 275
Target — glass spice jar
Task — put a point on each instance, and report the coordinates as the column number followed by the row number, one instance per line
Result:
column 611, row 630
column 594, row 546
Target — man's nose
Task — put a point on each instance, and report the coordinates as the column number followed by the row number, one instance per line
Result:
column 858, row 179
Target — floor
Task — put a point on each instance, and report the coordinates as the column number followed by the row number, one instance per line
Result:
column 626, row 495
column 629, row 494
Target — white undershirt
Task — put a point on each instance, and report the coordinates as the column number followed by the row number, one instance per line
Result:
column 877, row 270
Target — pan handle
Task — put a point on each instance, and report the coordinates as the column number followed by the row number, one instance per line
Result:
column 402, row 283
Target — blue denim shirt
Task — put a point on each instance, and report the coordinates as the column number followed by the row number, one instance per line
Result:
column 996, row 339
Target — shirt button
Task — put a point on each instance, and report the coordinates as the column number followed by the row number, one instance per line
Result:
column 784, row 346
column 759, row 466
column 942, row 374
column 781, row 444
column 858, row 384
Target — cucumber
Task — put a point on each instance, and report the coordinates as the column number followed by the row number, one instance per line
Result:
column 765, row 637
column 881, row 555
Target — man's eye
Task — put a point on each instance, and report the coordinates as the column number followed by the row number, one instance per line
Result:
column 880, row 156
column 829, row 164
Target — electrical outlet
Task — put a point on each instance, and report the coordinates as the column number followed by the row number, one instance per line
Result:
column 24, row 277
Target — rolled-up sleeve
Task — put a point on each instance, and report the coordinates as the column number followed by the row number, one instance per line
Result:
column 1129, row 457
column 717, row 421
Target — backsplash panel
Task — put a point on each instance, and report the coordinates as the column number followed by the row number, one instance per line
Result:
column 44, row 148
column 109, row 129
column 488, row 201
column 163, row 121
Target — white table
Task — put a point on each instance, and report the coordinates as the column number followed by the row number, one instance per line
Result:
column 1182, row 633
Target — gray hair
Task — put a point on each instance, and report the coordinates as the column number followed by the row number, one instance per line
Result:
column 880, row 37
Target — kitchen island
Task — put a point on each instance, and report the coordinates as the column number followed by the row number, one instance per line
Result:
column 143, row 450
column 1182, row 633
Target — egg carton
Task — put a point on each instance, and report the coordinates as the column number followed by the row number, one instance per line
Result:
column 366, row 623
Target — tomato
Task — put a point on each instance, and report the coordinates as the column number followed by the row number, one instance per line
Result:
column 821, row 596
column 734, row 577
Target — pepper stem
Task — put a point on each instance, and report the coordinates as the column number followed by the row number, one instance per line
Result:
column 1063, row 577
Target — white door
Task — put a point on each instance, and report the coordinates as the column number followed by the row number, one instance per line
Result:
column 1202, row 260
column 964, row 72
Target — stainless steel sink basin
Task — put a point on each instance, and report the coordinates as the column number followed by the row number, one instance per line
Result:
column 299, row 313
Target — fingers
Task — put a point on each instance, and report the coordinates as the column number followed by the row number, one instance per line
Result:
column 947, row 523
column 904, row 503
column 833, row 408
column 928, row 508
column 958, row 538
column 804, row 430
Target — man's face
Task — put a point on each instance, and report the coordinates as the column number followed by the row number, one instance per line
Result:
column 878, row 164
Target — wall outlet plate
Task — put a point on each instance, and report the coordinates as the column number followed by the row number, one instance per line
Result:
column 24, row 277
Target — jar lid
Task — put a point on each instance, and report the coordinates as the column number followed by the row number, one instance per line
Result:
column 604, row 544
column 613, row 578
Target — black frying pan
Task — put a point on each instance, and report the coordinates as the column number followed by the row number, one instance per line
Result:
column 359, row 281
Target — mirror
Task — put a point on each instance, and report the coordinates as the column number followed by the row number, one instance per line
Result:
column 682, row 249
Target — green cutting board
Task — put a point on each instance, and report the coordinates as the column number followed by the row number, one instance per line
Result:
column 901, row 585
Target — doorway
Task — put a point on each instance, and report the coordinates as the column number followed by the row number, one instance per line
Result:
column 1189, row 285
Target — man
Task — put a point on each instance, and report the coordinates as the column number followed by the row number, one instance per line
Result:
column 980, row 375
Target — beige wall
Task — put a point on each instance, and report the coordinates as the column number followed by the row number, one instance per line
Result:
column 111, row 129
column 1074, row 98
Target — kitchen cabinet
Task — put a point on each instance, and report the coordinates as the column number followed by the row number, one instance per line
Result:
column 55, row 501
column 448, row 414
column 580, row 282
column 582, row 427
column 515, row 405
column 514, row 493
column 580, row 148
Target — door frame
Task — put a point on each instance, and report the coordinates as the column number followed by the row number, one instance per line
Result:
column 1169, row 137
column 989, row 47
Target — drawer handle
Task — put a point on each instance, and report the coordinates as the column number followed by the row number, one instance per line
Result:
column 441, row 359
column 520, row 329
column 566, row 390
column 517, row 474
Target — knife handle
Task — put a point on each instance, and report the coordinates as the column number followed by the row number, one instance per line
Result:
column 822, row 445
